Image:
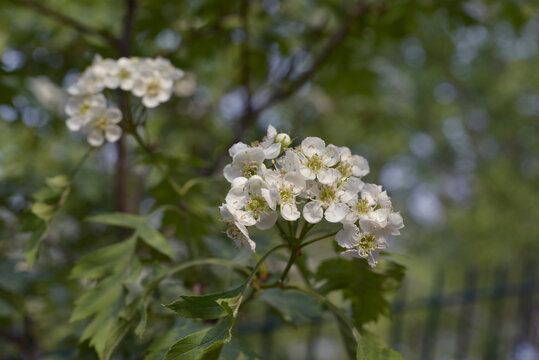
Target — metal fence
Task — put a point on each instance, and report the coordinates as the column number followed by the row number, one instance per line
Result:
column 490, row 322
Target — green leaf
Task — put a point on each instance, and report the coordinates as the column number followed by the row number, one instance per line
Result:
column 196, row 344
column 104, row 261
column 236, row 350
column 161, row 344
column 43, row 211
column 293, row 307
column 371, row 349
column 206, row 306
column 32, row 248
column 149, row 235
column 58, row 183
column 364, row 286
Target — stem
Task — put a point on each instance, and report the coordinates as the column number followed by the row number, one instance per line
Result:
column 317, row 239
column 80, row 163
column 173, row 183
column 253, row 273
column 290, row 229
column 291, row 260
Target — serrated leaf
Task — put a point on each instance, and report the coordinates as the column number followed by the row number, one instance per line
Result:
column 364, row 286
column 206, row 306
column 161, row 344
column 32, row 248
column 236, row 350
column 104, row 261
column 196, row 344
column 293, row 307
column 371, row 349
column 149, row 235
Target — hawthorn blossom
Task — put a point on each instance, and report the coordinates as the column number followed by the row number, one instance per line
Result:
column 236, row 230
column 103, row 124
column 150, row 79
column 315, row 158
column 256, row 201
column 314, row 181
column 80, row 108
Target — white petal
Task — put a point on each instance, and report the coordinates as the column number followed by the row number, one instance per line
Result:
column 231, row 173
column 113, row 133
column 290, row 212
column 328, row 176
column 272, row 151
column 353, row 253
column 348, row 237
column 336, row 212
column 313, row 212
column 150, row 101
column 95, row 138
column 332, row 155
column 313, row 146
column 113, row 115
column 271, row 133
column 73, row 105
column 270, row 198
column 164, row 95
column 307, row 173
column 360, row 166
column 236, row 148
column 267, row 220
column 74, row 123
column 237, row 198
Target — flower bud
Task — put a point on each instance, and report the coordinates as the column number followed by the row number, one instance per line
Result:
column 284, row 139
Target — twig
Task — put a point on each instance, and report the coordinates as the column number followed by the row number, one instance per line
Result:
column 284, row 93
column 66, row 20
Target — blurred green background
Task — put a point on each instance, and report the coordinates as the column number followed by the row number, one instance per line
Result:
column 442, row 98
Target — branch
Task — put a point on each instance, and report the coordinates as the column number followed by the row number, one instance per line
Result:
column 66, row 20
column 284, row 93
column 129, row 22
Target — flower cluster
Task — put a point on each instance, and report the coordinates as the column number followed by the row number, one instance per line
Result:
column 313, row 180
column 152, row 80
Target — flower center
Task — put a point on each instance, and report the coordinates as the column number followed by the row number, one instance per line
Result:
column 101, row 123
column 327, row 195
column 154, row 88
column 345, row 169
column 257, row 206
column 249, row 169
column 84, row 107
column 287, row 194
column 315, row 163
column 362, row 207
column 124, row 74
column 367, row 242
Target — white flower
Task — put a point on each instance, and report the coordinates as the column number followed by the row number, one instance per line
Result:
column 236, row 230
column 80, row 108
column 382, row 223
column 361, row 245
column 329, row 198
column 256, row 201
column 103, row 125
column 153, row 89
column 352, row 165
column 87, row 84
column 287, row 186
column 315, row 157
column 245, row 163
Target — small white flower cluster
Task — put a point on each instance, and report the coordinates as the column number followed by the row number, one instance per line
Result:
column 269, row 177
column 150, row 79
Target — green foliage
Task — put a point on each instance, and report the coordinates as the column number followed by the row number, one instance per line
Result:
column 364, row 286
column 149, row 235
column 293, row 307
column 206, row 306
column 370, row 348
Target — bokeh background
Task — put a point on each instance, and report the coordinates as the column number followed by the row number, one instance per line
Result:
column 442, row 98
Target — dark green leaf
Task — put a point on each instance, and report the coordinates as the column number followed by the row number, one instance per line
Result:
column 292, row 307
column 32, row 248
column 160, row 346
column 196, row 344
column 149, row 235
column 206, row 306
column 104, row 261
